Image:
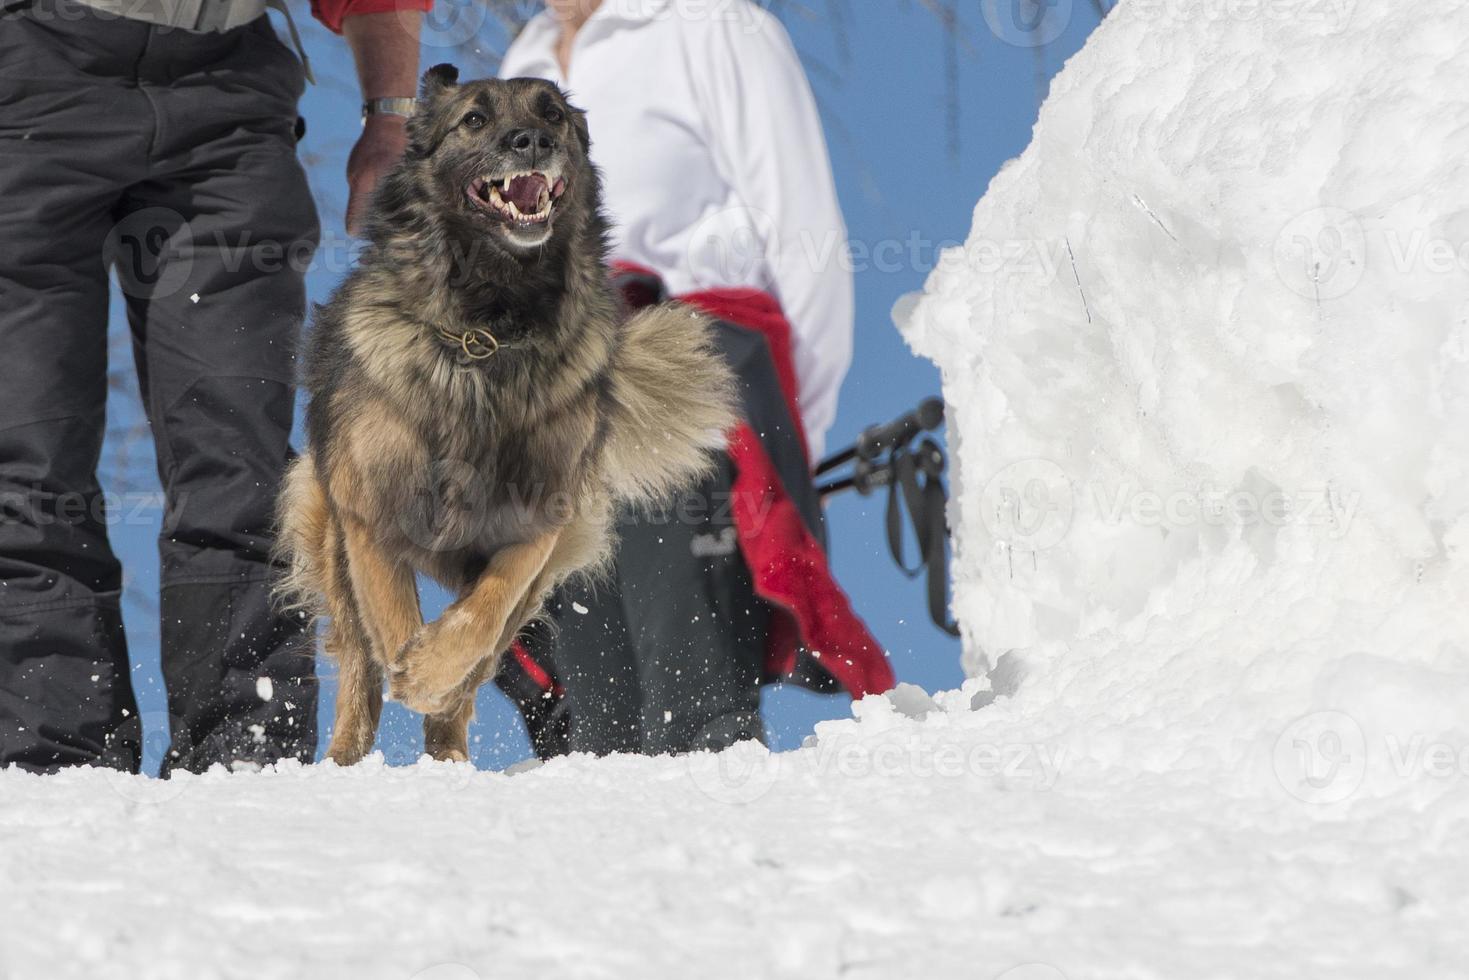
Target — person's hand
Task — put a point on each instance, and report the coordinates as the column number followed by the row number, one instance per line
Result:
column 381, row 145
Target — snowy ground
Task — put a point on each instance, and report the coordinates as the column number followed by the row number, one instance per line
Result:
column 1207, row 361
column 894, row 848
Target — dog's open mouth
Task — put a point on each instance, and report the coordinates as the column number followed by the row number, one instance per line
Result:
column 522, row 199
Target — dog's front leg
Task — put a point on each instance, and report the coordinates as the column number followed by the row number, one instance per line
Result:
column 385, row 591
column 429, row 671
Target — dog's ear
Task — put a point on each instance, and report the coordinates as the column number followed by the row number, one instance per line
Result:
column 425, row 125
column 583, row 131
column 438, row 80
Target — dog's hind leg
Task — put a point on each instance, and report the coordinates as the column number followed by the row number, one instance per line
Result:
column 384, row 596
column 446, row 735
column 360, row 676
column 442, row 656
column 359, row 701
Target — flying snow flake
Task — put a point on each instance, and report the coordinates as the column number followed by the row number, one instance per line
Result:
column 264, row 689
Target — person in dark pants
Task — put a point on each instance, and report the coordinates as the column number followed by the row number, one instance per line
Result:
column 720, row 189
column 667, row 654
column 169, row 154
column 721, row 591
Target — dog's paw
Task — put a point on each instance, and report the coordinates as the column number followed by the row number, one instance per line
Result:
column 346, row 753
column 421, row 677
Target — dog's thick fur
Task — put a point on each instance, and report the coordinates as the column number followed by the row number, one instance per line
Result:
column 495, row 475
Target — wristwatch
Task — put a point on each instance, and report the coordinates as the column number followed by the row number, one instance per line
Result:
column 388, row 107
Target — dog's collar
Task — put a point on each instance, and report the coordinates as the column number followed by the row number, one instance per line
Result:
column 477, row 343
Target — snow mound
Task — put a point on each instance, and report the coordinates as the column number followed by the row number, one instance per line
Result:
column 1206, row 354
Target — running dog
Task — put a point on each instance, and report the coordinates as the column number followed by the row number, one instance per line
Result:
column 479, row 408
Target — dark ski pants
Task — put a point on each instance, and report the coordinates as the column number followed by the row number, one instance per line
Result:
column 669, row 655
column 171, row 156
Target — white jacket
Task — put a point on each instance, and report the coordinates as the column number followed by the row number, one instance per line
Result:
column 715, row 168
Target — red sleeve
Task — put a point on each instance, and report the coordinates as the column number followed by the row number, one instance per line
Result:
column 333, row 12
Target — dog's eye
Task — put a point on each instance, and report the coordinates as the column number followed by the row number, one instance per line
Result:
column 474, row 120
column 554, row 115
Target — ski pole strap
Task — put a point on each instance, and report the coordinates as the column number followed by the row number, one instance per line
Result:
column 903, row 489
column 927, row 504
column 280, row 5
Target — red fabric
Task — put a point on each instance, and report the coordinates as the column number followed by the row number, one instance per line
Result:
column 533, row 669
column 786, row 561
column 791, row 572
column 759, row 311
column 333, row 12
column 788, row 564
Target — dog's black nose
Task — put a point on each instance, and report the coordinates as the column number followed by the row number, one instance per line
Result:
column 530, row 143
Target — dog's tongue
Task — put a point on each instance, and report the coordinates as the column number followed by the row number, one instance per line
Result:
column 526, row 192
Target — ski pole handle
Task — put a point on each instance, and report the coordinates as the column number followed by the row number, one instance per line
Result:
column 929, row 415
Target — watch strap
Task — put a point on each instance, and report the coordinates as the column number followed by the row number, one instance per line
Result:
column 400, row 106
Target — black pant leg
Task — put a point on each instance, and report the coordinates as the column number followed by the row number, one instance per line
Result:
column 218, row 328
column 72, row 135
column 695, row 621
column 674, row 644
column 667, row 655
column 598, row 668
column 537, row 692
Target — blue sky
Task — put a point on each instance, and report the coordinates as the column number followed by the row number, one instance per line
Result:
column 881, row 82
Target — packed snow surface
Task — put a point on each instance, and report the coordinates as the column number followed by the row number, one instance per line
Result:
column 923, row 839
column 1207, row 357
